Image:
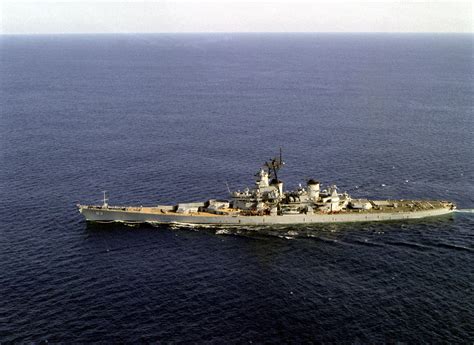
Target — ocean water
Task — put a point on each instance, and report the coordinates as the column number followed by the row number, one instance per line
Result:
column 157, row 119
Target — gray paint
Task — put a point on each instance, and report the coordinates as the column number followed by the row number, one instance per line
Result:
column 110, row 215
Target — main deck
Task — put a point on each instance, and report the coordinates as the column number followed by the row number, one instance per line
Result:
column 383, row 210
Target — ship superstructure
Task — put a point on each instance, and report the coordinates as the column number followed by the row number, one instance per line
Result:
column 268, row 197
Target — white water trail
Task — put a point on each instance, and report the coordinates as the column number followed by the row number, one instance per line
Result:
column 465, row 210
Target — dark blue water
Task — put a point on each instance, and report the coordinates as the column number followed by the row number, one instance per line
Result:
column 167, row 118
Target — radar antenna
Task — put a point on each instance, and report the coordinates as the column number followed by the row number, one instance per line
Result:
column 228, row 189
column 274, row 165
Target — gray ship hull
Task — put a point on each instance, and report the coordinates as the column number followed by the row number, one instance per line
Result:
column 268, row 204
column 120, row 215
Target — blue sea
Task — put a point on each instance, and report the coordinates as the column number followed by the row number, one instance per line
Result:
column 161, row 119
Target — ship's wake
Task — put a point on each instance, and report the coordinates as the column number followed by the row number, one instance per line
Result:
column 465, row 210
column 287, row 232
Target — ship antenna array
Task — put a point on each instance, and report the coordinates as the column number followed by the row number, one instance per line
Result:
column 227, row 185
column 105, row 198
column 275, row 164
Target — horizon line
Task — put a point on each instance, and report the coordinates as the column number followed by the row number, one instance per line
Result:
column 230, row 32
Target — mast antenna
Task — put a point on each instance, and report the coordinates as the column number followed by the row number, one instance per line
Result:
column 105, row 199
column 275, row 164
column 230, row 193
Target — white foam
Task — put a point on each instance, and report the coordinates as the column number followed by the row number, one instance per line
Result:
column 223, row 232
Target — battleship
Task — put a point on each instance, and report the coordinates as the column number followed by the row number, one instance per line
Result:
column 268, row 204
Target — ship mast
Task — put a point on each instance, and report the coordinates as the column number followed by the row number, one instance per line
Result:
column 274, row 165
column 105, row 205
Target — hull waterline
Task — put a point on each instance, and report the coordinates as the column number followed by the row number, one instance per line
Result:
column 111, row 215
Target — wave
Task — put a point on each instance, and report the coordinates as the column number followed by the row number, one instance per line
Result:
column 454, row 246
column 408, row 244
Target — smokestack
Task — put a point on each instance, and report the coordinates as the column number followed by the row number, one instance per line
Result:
column 313, row 190
column 278, row 184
